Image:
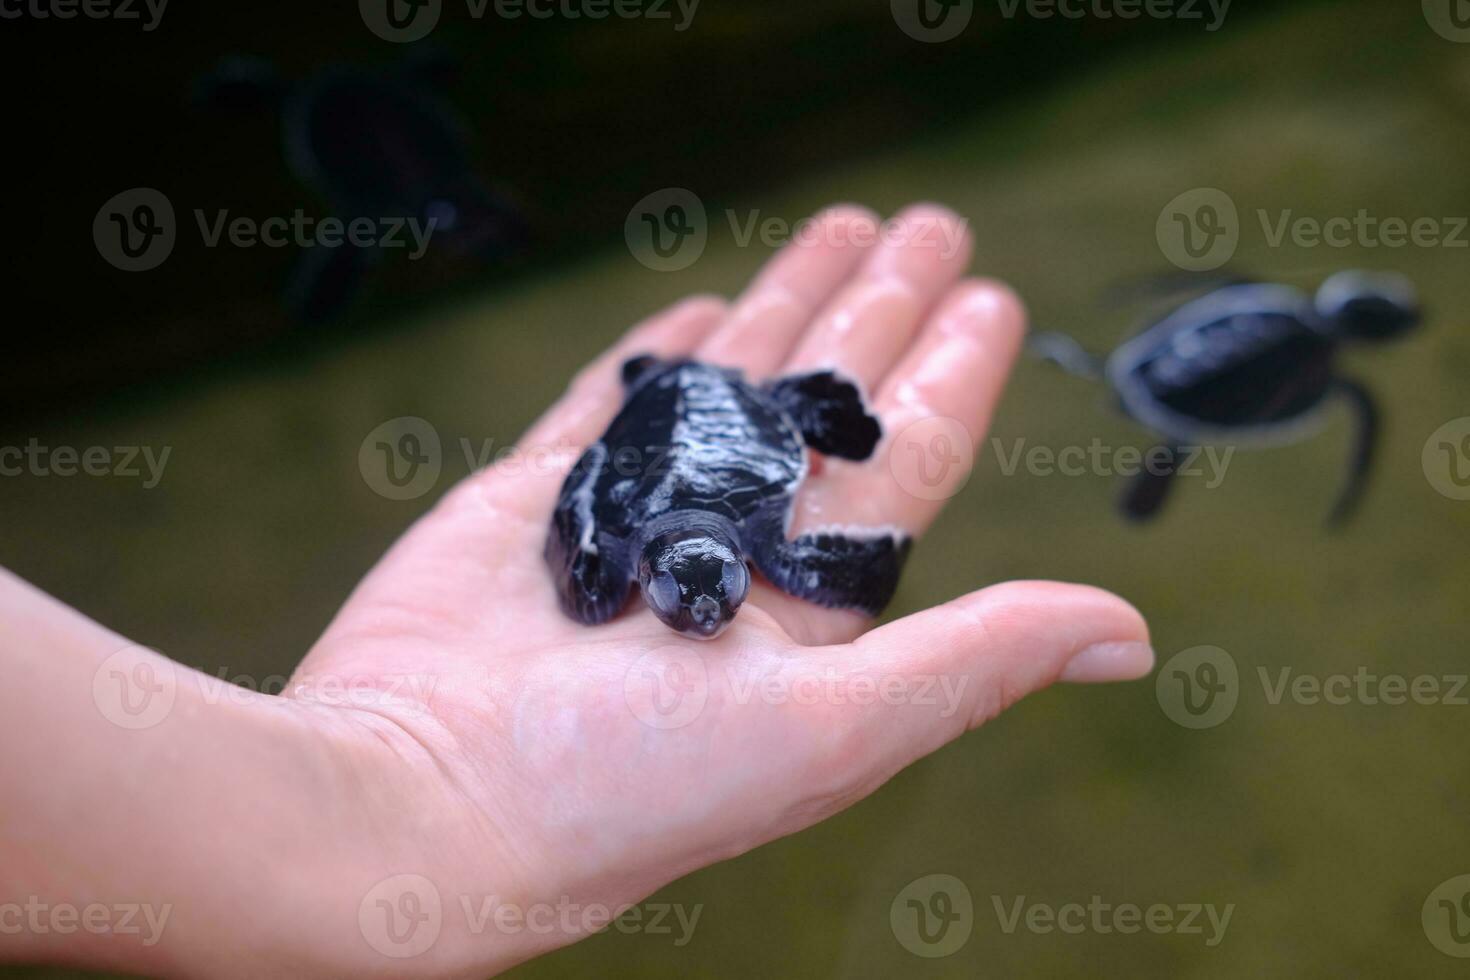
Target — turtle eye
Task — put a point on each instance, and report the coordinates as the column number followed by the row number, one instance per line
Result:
column 735, row 580
column 663, row 593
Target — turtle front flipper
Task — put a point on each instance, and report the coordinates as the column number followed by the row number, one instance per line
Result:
column 829, row 411
column 851, row 568
column 592, row 580
column 1147, row 491
column 325, row 281
column 1365, row 440
column 634, row 368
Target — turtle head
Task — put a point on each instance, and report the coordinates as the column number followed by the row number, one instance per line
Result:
column 1368, row 305
column 694, row 580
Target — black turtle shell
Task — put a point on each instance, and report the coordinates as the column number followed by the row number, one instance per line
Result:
column 694, row 437
column 1242, row 359
column 376, row 142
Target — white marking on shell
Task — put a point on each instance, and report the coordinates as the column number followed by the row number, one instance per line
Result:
column 862, row 533
column 582, row 500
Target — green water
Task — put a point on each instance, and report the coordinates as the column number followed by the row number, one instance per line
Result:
column 1324, row 826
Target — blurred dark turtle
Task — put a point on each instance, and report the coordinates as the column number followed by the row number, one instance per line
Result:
column 697, row 473
column 380, row 145
column 1248, row 363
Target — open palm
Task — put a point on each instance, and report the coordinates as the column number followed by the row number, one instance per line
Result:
column 598, row 763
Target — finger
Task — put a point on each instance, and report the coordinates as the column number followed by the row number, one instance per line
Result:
column 864, row 329
column 771, row 315
column 935, row 405
column 595, row 393
column 936, row 674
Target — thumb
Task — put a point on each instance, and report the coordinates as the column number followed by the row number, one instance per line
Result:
column 971, row 659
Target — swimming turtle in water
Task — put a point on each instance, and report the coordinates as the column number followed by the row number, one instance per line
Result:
column 695, row 477
column 377, row 145
column 1248, row 363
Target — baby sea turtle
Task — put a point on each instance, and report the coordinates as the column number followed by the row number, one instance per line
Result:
column 696, row 475
column 380, row 145
column 1248, row 363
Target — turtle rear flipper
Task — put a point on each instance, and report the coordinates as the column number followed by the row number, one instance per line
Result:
column 592, row 584
column 1148, row 490
column 830, row 413
column 1064, row 352
column 1365, row 411
column 325, row 281
column 854, row 568
column 238, row 86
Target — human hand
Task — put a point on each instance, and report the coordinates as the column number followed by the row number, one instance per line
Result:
column 591, row 765
column 454, row 747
